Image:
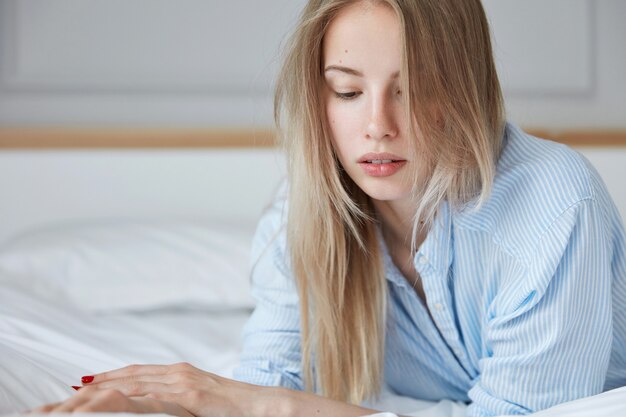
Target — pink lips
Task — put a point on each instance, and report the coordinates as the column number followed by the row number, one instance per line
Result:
column 381, row 164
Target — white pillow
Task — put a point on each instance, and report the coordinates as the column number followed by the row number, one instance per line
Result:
column 128, row 265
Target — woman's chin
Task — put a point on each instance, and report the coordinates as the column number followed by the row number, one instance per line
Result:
column 386, row 192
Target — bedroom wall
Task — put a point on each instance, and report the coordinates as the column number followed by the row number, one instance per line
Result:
column 205, row 63
column 211, row 64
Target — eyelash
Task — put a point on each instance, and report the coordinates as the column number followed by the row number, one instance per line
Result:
column 354, row 94
column 347, row 96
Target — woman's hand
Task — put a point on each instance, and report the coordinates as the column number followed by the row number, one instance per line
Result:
column 92, row 399
column 194, row 391
column 185, row 391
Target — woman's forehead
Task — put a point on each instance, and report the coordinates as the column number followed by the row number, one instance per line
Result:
column 364, row 36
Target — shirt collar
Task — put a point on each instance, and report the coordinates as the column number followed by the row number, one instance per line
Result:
column 436, row 248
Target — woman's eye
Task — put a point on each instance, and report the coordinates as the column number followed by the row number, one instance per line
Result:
column 347, row 96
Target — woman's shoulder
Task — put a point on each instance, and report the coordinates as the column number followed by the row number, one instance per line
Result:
column 274, row 216
column 537, row 181
column 270, row 237
column 271, row 277
column 543, row 169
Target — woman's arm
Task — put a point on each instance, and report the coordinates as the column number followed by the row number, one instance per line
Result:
column 550, row 342
column 271, row 345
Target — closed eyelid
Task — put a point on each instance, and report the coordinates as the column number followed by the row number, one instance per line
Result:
column 343, row 85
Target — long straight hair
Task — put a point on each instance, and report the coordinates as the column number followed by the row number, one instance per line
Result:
column 455, row 108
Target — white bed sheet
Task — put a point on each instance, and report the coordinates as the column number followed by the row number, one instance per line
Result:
column 45, row 348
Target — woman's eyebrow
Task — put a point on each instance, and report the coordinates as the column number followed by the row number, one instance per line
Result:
column 352, row 71
column 347, row 70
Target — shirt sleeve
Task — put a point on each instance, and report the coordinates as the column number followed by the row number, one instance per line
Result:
column 271, row 338
column 550, row 341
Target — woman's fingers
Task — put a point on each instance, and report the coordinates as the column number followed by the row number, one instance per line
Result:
column 43, row 409
column 111, row 400
column 127, row 371
column 68, row 405
column 71, row 403
column 93, row 399
column 140, row 385
column 136, row 371
column 139, row 388
column 131, row 380
column 167, row 378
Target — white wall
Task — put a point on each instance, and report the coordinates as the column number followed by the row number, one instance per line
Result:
column 140, row 62
column 206, row 63
column 603, row 103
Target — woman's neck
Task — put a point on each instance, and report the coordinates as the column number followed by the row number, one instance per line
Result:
column 397, row 224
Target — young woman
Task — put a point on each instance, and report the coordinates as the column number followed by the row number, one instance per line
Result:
column 422, row 242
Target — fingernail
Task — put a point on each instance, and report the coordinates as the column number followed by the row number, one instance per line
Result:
column 87, row 379
column 76, row 388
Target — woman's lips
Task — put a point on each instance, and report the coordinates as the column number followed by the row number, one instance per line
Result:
column 381, row 164
column 382, row 168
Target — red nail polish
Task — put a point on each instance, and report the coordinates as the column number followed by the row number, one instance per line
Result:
column 87, row 379
column 76, row 388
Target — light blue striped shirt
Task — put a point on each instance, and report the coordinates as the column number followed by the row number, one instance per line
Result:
column 527, row 294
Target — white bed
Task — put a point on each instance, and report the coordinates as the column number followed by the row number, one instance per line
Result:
column 116, row 257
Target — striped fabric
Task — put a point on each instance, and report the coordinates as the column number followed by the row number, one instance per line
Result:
column 527, row 295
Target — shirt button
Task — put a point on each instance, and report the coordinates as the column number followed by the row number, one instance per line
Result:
column 438, row 307
column 423, row 260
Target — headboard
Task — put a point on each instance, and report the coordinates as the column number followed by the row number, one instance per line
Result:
column 59, row 175
column 49, row 177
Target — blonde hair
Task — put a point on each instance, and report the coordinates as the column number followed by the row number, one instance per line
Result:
column 450, row 77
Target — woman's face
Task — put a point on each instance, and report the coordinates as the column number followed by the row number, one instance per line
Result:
column 364, row 105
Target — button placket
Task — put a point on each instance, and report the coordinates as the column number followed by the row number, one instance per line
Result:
column 440, row 328
column 436, row 306
column 436, row 287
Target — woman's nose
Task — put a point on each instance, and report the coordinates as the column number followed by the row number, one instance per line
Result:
column 382, row 122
